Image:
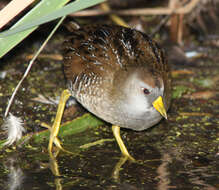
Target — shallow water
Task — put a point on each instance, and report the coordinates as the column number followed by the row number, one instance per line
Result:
column 178, row 153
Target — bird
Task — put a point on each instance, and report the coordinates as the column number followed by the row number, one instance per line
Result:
column 118, row 74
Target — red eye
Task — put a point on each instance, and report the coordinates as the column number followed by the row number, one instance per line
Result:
column 146, row 91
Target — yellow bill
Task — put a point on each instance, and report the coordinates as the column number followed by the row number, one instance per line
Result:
column 159, row 106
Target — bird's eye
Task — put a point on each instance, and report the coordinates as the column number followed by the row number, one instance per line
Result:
column 146, row 91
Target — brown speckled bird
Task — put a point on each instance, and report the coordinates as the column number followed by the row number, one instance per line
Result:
column 118, row 74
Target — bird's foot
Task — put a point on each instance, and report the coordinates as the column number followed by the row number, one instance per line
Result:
column 53, row 139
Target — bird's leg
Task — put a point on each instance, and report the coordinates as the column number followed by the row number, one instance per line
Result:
column 116, row 132
column 55, row 127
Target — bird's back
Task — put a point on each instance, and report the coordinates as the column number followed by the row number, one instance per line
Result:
column 104, row 49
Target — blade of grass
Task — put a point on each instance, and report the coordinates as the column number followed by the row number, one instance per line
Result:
column 30, row 65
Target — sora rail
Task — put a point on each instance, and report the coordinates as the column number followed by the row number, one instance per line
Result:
column 118, row 74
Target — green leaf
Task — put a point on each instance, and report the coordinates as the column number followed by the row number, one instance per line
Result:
column 70, row 8
column 44, row 11
column 78, row 125
column 42, row 8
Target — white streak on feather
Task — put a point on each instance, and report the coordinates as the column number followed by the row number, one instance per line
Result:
column 14, row 127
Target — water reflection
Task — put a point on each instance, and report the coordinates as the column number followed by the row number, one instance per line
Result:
column 95, row 169
column 54, row 166
column 16, row 176
column 117, row 168
column 163, row 173
column 180, row 171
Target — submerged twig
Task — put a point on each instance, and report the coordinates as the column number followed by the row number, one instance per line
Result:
column 99, row 142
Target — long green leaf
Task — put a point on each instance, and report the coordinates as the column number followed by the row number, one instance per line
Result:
column 78, row 125
column 70, row 8
column 43, row 10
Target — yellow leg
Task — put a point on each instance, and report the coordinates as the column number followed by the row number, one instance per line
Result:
column 116, row 132
column 55, row 127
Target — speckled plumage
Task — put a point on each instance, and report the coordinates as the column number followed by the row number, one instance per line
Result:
column 99, row 60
